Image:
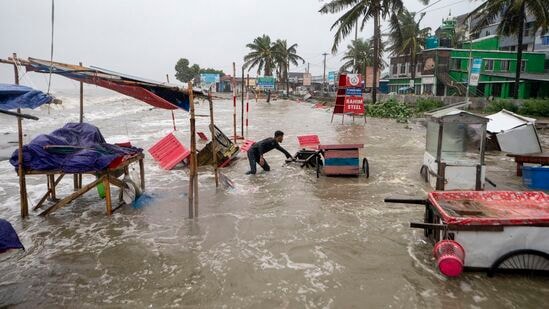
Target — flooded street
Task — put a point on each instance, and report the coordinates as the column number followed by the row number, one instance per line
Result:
column 282, row 239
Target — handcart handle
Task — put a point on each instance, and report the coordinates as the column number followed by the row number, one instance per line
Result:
column 407, row 200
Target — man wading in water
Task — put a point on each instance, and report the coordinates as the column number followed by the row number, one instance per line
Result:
column 255, row 154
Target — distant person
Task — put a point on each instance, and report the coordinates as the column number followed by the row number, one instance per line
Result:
column 256, row 152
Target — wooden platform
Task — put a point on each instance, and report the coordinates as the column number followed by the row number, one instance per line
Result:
column 108, row 177
column 534, row 158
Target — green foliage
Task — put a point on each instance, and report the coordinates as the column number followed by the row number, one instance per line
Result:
column 183, row 72
column 212, row 71
column 267, row 56
column 539, row 108
column 390, row 109
column 498, row 105
column 427, row 104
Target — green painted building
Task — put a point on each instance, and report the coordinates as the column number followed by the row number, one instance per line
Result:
column 444, row 71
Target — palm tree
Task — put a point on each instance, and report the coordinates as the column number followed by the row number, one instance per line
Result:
column 406, row 37
column 513, row 15
column 359, row 55
column 283, row 57
column 260, row 56
column 361, row 11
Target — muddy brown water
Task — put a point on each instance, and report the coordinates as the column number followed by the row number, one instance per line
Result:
column 282, row 239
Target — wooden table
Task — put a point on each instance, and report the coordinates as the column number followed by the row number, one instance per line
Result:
column 535, row 158
column 107, row 177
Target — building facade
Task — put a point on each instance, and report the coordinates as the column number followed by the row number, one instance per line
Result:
column 443, row 70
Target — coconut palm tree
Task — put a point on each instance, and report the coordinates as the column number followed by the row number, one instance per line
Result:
column 283, row 57
column 261, row 55
column 512, row 16
column 406, row 38
column 361, row 11
column 359, row 55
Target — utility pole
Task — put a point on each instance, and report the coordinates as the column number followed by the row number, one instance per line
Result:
column 324, row 74
column 470, row 61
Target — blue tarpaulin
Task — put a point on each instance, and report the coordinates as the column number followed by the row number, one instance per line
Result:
column 8, row 237
column 17, row 96
column 75, row 148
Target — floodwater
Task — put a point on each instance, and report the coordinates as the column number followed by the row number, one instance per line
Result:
column 282, row 239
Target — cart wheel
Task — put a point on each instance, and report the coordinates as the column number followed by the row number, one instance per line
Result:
column 525, row 261
column 424, row 172
column 366, row 167
column 318, row 163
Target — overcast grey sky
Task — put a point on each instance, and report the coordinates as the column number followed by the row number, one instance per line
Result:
column 147, row 37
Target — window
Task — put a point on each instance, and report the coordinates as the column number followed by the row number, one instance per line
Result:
column 418, row 67
column 528, row 29
column 428, row 89
column 488, row 65
column 395, row 69
column 402, row 68
column 407, row 68
column 545, row 40
column 504, row 65
column 523, row 66
column 487, row 33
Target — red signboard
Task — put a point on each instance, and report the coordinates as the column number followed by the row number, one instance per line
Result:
column 354, row 104
column 353, row 80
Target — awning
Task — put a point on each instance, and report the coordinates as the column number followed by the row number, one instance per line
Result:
column 156, row 94
column 17, row 96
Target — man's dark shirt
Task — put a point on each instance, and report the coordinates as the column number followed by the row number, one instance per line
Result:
column 267, row 145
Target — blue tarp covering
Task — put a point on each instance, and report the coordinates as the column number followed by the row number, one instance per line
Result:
column 77, row 147
column 8, row 237
column 17, row 96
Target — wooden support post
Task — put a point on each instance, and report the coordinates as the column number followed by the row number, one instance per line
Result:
column 247, row 101
column 74, row 195
column 78, row 177
column 242, row 105
column 440, row 167
column 193, row 206
column 48, row 193
column 52, row 183
column 20, row 170
column 108, row 201
column 142, row 174
column 214, row 141
column 173, row 114
column 234, row 102
column 482, row 151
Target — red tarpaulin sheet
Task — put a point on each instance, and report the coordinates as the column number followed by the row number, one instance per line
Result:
column 136, row 92
column 491, row 207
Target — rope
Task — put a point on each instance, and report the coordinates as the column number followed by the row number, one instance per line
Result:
column 51, row 45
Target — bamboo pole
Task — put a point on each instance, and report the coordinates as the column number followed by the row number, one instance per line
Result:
column 78, row 177
column 214, row 141
column 173, row 114
column 21, row 172
column 234, row 102
column 242, row 105
column 192, row 175
column 81, row 100
column 247, row 100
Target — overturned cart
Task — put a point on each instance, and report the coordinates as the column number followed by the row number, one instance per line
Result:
column 497, row 231
column 225, row 150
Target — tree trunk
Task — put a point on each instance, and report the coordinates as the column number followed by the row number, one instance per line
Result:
column 519, row 50
column 413, row 70
column 376, row 55
column 288, row 78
